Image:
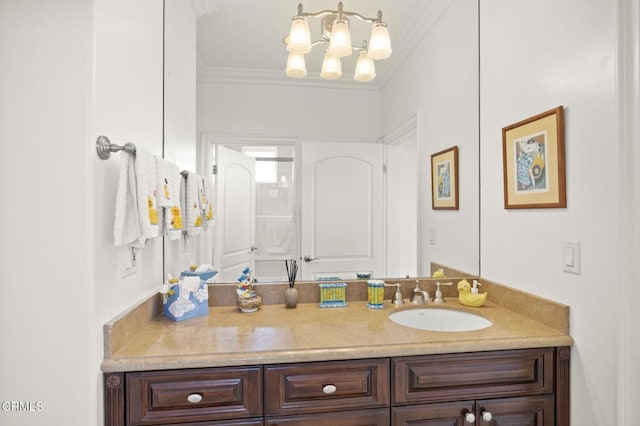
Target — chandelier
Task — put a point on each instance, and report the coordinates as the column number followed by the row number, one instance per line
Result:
column 334, row 29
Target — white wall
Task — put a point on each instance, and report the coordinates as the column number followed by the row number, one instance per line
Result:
column 440, row 78
column 314, row 114
column 180, row 111
column 46, row 306
column 536, row 56
column 71, row 70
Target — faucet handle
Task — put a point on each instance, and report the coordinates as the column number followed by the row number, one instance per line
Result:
column 439, row 298
column 397, row 296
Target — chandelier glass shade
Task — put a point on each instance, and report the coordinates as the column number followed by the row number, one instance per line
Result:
column 365, row 68
column 295, row 65
column 336, row 35
column 331, row 67
column 299, row 37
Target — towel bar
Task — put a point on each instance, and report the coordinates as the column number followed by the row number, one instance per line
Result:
column 104, row 147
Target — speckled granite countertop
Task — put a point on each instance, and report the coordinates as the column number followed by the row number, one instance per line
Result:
column 274, row 334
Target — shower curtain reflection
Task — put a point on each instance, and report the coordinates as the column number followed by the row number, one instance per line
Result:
column 276, row 224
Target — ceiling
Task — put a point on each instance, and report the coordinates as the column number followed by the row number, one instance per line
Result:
column 246, row 36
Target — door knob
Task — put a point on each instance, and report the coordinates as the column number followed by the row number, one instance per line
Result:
column 308, row 258
column 470, row 418
column 487, row 416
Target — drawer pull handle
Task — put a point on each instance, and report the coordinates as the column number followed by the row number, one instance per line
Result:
column 329, row 389
column 194, row 398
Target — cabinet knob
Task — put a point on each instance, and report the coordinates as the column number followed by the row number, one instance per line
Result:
column 329, row 389
column 470, row 418
column 487, row 416
column 194, row 398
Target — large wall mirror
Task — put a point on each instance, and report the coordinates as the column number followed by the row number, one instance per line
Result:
column 335, row 173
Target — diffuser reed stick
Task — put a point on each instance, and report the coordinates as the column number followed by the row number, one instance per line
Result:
column 292, row 271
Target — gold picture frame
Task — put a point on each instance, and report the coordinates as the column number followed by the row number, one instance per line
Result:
column 534, row 163
column 444, row 179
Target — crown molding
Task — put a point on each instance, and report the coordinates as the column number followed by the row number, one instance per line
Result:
column 409, row 128
column 424, row 18
column 220, row 75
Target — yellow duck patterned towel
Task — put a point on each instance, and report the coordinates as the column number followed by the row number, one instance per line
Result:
column 145, row 168
column 205, row 200
column 168, row 197
column 191, row 213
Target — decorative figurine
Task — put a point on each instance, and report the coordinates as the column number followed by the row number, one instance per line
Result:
column 248, row 300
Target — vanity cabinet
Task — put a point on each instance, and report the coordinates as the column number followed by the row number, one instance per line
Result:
column 517, row 387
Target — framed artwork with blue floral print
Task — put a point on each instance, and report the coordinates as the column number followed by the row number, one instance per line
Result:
column 444, row 179
column 533, row 162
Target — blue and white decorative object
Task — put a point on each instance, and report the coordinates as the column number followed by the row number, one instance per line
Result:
column 205, row 272
column 184, row 299
column 333, row 295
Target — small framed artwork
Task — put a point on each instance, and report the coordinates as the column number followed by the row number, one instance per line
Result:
column 533, row 162
column 444, row 179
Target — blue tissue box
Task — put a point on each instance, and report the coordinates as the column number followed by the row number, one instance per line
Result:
column 204, row 276
column 178, row 308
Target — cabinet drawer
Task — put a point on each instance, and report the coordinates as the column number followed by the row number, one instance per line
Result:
column 326, row 386
column 453, row 377
column 375, row 417
column 164, row 397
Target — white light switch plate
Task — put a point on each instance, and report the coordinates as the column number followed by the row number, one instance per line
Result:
column 571, row 257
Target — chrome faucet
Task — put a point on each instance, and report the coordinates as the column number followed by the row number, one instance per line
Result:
column 419, row 296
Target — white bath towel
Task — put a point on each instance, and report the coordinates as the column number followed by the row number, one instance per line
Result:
column 126, row 228
column 190, row 205
column 168, row 185
column 145, row 167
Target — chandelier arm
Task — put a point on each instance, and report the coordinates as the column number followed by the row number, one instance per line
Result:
column 344, row 13
column 321, row 41
column 360, row 17
column 319, row 14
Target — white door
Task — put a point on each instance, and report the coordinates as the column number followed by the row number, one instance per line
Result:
column 235, row 224
column 342, row 209
column 401, row 189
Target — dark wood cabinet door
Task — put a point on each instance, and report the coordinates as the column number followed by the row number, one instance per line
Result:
column 189, row 396
column 326, row 386
column 437, row 414
column 525, row 411
column 450, row 377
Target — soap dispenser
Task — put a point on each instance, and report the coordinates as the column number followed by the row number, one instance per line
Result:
column 474, row 289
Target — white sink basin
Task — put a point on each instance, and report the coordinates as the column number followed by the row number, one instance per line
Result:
column 434, row 319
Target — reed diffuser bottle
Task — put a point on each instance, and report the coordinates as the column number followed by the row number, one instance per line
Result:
column 291, row 294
